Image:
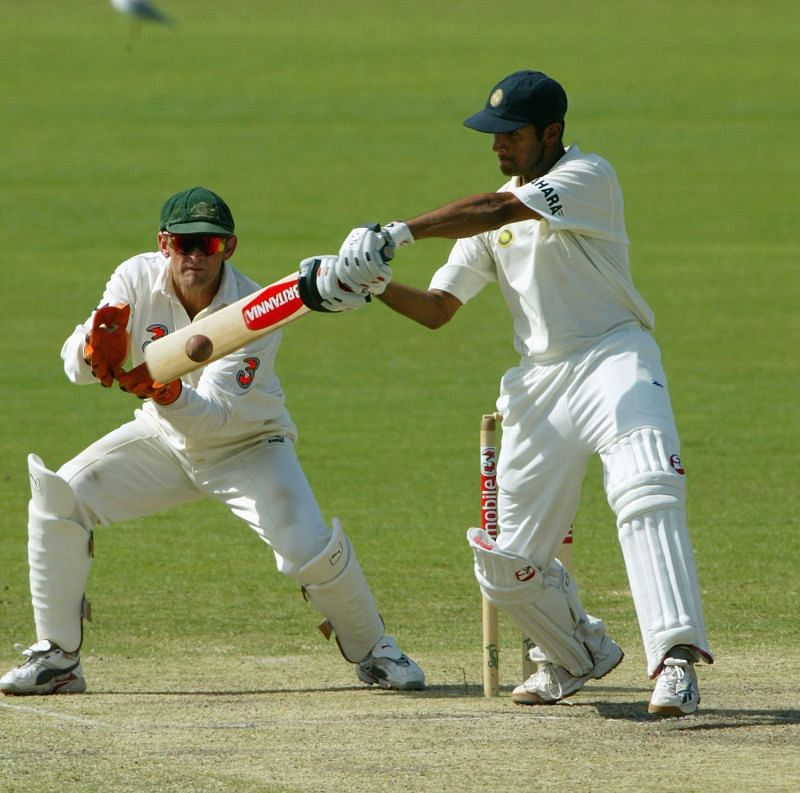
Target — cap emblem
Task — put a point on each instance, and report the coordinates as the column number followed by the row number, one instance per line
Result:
column 496, row 98
column 202, row 209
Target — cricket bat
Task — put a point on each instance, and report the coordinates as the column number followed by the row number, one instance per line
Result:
column 225, row 330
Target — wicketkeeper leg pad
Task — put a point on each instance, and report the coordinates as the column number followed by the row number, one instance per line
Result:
column 645, row 487
column 544, row 603
column 59, row 558
column 335, row 584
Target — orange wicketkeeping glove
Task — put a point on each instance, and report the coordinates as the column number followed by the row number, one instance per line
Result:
column 108, row 342
column 139, row 383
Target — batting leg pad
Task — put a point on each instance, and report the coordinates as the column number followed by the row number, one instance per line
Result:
column 59, row 558
column 646, row 488
column 336, row 586
column 544, row 604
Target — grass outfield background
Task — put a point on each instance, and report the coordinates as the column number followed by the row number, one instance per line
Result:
column 314, row 117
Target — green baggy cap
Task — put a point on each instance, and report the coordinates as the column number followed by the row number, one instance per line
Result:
column 196, row 211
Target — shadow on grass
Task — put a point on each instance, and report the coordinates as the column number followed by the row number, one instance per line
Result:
column 707, row 718
column 432, row 691
column 704, row 719
column 447, row 691
column 238, row 692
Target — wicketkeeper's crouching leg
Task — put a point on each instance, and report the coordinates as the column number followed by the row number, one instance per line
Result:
column 60, row 557
column 335, row 584
column 572, row 646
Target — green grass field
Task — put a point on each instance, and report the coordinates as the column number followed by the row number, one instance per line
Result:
column 206, row 669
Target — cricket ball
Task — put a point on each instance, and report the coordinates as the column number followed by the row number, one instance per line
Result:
column 199, row 348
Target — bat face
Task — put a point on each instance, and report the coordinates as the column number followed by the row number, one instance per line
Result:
column 227, row 329
column 275, row 303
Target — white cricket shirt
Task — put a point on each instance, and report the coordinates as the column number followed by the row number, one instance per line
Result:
column 565, row 278
column 223, row 407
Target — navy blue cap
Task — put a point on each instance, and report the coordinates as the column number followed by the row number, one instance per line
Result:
column 520, row 99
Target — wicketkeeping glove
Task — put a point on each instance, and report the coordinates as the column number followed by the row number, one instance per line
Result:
column 321, row 290
column 139, row 383
column 108, row 342
column 363, row 259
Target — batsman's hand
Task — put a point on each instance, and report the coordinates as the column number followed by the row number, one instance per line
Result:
column 107, row 343
column 321, row 290
column 139, row 383
column 364, row 258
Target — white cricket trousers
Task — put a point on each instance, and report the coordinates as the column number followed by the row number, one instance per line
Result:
column 611, row 400
column 555, row 417
column 133, row 472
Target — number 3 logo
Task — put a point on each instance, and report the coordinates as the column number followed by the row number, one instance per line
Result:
column 157, row 331
column 245, row 377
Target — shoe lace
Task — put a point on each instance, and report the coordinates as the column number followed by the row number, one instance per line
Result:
column 546, row 679
column 35, row 650
column 672, row 675
column 31, row 654
column 28, row 652
column 536, row 655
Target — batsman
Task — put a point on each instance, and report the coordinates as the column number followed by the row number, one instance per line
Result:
column 223, row 432
column 589, row 381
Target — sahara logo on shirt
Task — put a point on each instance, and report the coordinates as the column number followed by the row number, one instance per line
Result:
column 245, row 377
column 550, row 195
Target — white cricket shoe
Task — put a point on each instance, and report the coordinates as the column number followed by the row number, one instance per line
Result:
column 388, row 666
column 676, row 692
column 46, row 670
column 551, row 683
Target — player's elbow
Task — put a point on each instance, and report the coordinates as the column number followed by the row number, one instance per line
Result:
column 442, row 306
column 434, row 322
column 431, row 309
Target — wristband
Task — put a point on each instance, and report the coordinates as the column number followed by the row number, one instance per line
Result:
column 399, row 233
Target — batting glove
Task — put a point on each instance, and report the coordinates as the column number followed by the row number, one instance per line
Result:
column 398, row 233
column 363, row 260
column 321, row 290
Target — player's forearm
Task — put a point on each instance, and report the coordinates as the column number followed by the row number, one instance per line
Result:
column 430, row 308
column 469, row 216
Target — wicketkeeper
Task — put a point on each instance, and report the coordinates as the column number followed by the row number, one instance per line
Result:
column 221, row 432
